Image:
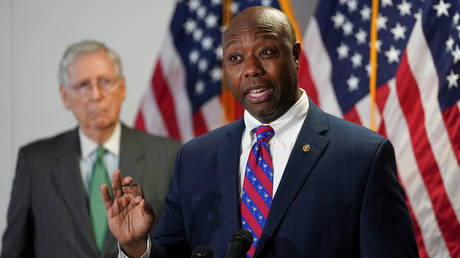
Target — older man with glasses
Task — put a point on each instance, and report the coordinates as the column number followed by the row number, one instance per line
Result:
column 56, row 209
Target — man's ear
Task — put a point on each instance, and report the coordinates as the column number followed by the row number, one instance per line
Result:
column 64, row 96
column 296, row 53
column 123, row 87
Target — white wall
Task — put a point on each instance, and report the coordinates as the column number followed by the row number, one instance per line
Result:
column 33, row 36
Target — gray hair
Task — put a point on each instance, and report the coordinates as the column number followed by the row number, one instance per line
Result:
column 81, row 48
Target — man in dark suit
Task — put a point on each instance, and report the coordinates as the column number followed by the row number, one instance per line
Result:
column 55, row 208
column 328, row 187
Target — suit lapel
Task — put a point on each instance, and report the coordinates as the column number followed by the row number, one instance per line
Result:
column 131, row 164
column 69, row 185
column 131, row 155
column 297, row 170
column 228, row 157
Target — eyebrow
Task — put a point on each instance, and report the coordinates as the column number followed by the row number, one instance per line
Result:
column 263, row 35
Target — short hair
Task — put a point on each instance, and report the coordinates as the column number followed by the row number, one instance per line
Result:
column 81, row 48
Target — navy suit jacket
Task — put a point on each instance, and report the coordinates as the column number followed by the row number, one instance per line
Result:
column 339, row 199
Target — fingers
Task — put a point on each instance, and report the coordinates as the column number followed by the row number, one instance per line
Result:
column 116, row 184
column 147, row 211
column 126, row 181
column 106, row 197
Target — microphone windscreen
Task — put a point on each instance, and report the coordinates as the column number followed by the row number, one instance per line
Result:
column 239, row 244
column 202, row 251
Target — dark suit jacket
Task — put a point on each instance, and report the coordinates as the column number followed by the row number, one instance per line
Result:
column 48, row 214
column 339, row 199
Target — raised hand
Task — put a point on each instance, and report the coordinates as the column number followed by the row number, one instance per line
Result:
column 130, row 217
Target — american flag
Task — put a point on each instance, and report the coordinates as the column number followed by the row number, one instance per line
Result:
column 417, row 97
column 183, row 99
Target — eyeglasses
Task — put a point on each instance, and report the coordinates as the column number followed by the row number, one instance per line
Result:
column 104, row 84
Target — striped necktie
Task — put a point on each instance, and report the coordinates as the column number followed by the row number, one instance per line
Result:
column 258, row 186
column 97, row 211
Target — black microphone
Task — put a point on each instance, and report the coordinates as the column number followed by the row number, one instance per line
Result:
column 202, row 251
column 239, row 244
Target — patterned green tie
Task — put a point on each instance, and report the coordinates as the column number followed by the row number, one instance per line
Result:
column 96, row 205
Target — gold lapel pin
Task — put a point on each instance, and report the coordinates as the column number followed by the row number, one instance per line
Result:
column 306, row 147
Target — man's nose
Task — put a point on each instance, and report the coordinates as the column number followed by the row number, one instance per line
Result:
column 253, row 67
column 95, row 92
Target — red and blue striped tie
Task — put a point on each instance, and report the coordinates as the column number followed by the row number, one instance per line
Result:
column 257, row 186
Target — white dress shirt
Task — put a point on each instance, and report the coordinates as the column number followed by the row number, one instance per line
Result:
column 286, row 127
column 88, row 155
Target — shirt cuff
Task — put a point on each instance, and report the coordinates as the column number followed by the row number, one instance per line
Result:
column 145, row 255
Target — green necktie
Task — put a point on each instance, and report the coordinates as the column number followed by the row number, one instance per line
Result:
column 97, row 211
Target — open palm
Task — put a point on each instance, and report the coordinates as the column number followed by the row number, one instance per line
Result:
column 130, row 217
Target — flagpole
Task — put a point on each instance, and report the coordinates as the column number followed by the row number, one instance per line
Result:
column 373, row 60
column 228, row 102
column 287, row 9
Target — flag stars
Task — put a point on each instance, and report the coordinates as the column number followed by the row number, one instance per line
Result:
column 218, row 52
column 368, row 70
column 353, row 83
column 347, row 28
column 458, row 29
column 378, row 45
column 338, row 19
column 266, row 2
column 441, row 8
column 216, row 2
column 193, row 56
column 206, row 43
column 456, row 54
column 211, row 21
column 381, row 22
column 361, row 36
column 202, row 65
column 452, row 78
column 352, row 5
column 342, row 50
column 216, row 74
column 197, row 34
column 404, row 8
column 387, row 3
column 398, row 32
column 189, row 26
column 234, row 7
column 201, row 12
column 199, row 87
column 365, row 13
column 357, row 59
column 193, row 4
column 456, row 18
column 450, row 44
column 393, row 55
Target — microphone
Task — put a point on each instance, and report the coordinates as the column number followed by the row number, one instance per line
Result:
column 202, row 251
column 239, row 244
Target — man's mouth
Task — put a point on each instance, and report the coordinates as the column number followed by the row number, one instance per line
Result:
column 259, row 94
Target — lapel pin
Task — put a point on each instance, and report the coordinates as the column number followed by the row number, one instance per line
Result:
column 306, row 148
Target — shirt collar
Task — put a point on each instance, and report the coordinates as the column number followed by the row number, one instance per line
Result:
column 112, row 145
column 296, row 112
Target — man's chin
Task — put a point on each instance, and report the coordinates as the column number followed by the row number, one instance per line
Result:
column 263, row 115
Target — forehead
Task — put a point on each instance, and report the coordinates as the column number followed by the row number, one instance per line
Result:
column 91, row 64
column 256, row 23
column 242, row 32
